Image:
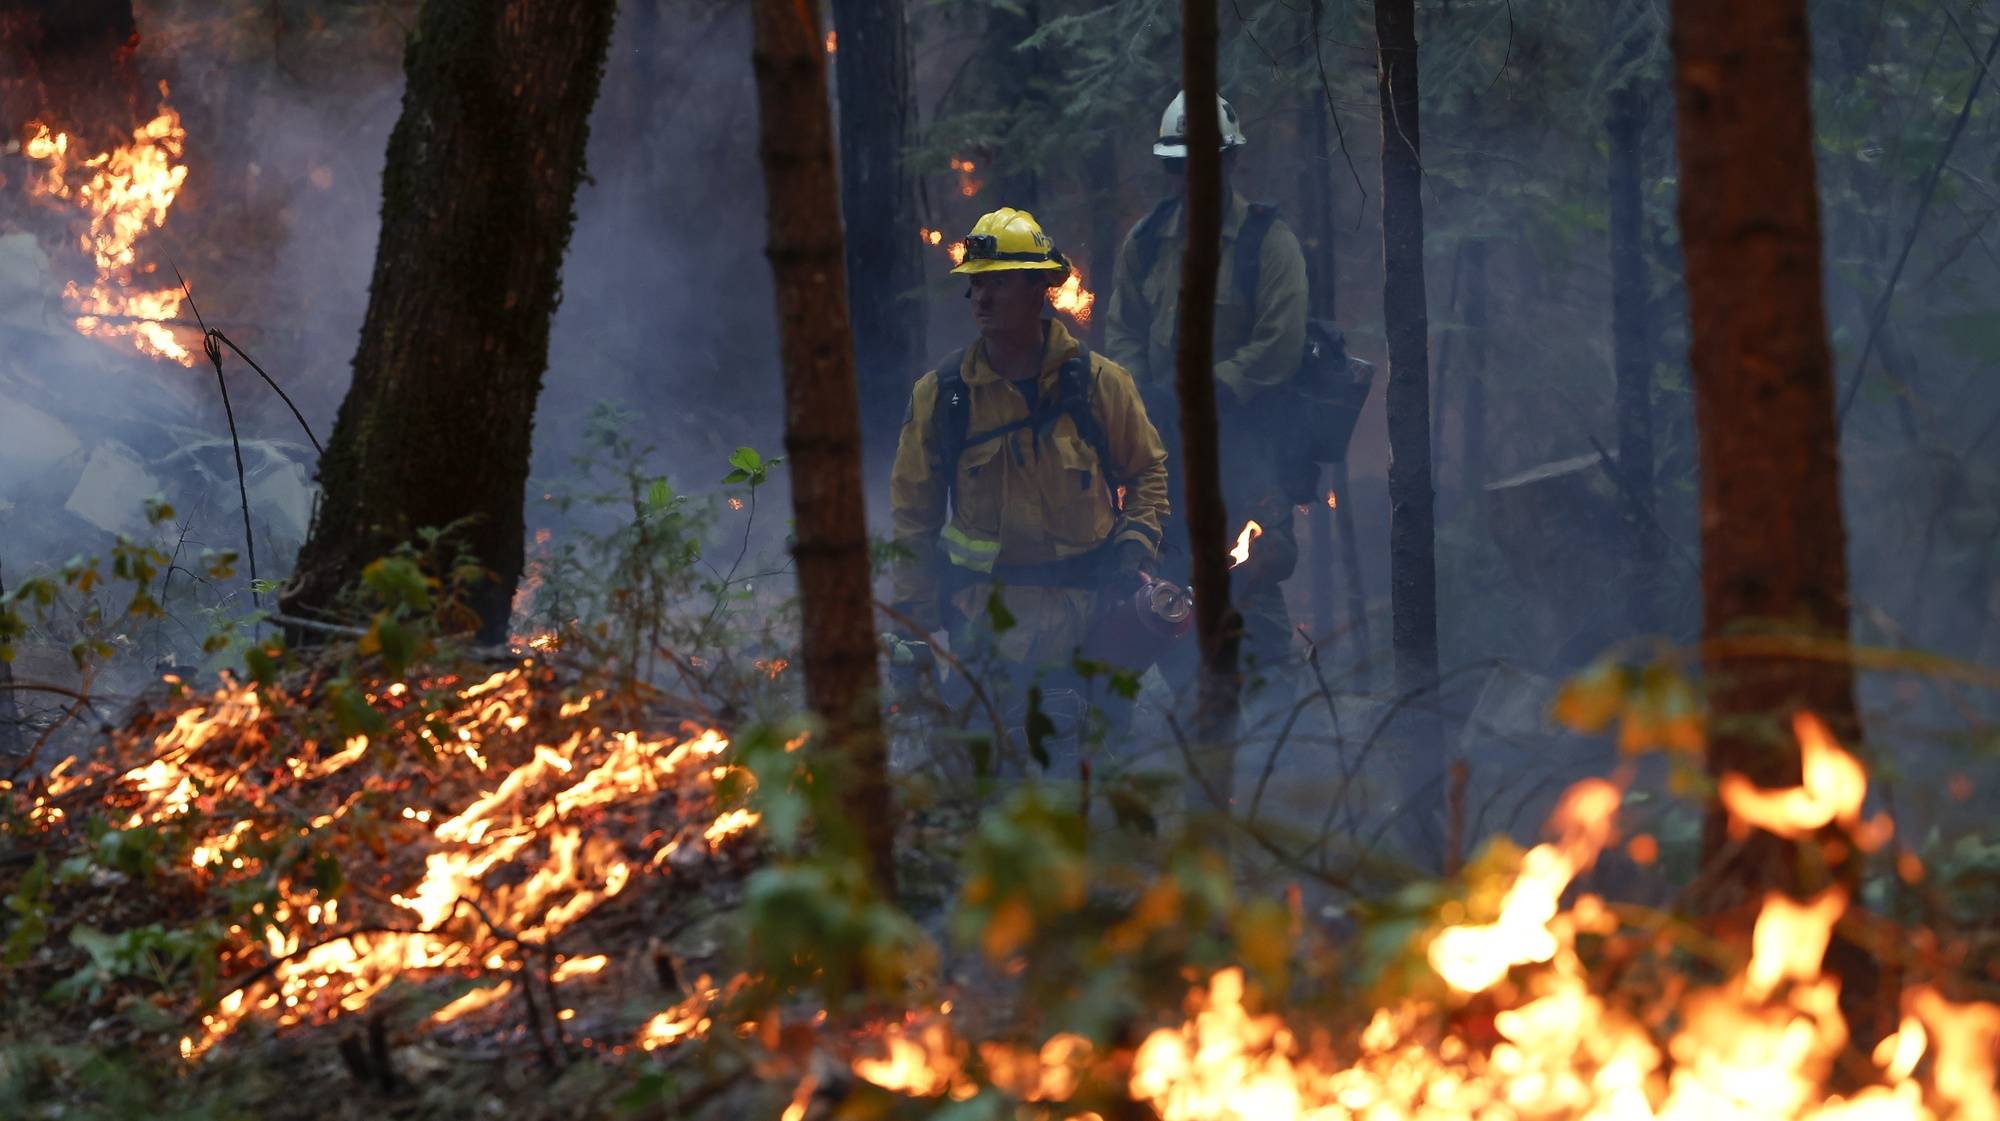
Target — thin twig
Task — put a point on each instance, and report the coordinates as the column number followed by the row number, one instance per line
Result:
column 214, row 353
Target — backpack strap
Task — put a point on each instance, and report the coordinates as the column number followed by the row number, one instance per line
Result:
column 1076, row 391
column 951, row 418
column 1250, row 248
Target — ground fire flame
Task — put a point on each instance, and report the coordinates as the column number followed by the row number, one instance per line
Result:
column 1759, row 1047
column 121, row 194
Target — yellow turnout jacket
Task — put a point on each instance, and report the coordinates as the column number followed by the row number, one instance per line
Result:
column 1025, row 498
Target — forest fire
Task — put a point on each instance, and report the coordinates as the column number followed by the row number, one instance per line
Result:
column 1761, row 1045
column 120, row 194
column 969, row 184
column 528, row 816
column 1073, row 299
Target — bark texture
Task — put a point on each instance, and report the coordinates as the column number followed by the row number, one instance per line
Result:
column 885, row 271
column 1217, row 623
column 1631, row 321
column 1412, row 534
column 477, row 200
column 822, row 419
column 1773, row 544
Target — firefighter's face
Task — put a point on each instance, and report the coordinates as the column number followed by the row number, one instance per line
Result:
column 1008, row 303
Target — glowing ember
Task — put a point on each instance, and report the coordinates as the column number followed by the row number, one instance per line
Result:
column 969, row 184
column 1073, row 299
column 1332, row 500
column 832, row 42
column 925, row 1062
column 121, row 193
column 930, row 237
column 1241, row 552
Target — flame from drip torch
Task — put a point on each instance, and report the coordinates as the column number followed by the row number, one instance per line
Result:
column 1251, row 532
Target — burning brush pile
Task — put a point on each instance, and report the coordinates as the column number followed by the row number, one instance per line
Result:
column 281, row 856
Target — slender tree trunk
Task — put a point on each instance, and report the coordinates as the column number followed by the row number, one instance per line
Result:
column 822, row 417
column 10, row 707
column 1472, row 404
column 1316, row 224
column 1412, row 544
column 1010, row 87
column 1773, row 544
column 1631, row 325
column 1105, row 234
column 878, row 205
column 477, row 202
column 1218, row 624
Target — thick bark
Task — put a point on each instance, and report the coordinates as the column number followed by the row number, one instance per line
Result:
column 1412, row 537
column 477, row 200
column 822, row 417
column 1774, row 558
column 1631, row 325
column 878, row 206
column 1217, row 623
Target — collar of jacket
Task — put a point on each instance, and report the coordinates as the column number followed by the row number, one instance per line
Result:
column 1234, row 213
column 1057, row 346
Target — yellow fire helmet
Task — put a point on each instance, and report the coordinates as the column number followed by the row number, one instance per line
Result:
column 1010, row 239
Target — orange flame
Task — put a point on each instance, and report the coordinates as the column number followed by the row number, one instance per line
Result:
column 1251, row 532
column 1831, row 790
column 1073, row 299
column 1332, row 500
column 832, row 42
column 121, row 194
column 969, row 184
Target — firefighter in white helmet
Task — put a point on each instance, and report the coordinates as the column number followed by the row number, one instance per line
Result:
column 1260, row 332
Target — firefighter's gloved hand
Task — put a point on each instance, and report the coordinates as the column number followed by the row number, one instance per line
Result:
column 1135, row 565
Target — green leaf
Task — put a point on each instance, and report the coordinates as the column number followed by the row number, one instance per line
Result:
column 1039, row 728
column 746, row 459
column 736, row 476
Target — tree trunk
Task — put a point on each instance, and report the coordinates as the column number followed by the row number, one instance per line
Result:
column 1105, row 236
column 822, row 417
column 1217, row 622
column 1412, row 543
column 1316, row 225
column 1631, row 324
column 1773, row 545
column 1010, row 87
column 10, row 707
column 878, row 205
column 477, row 199
column 1472, row 402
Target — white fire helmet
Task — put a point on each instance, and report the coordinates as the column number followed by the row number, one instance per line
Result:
column 1172, row 143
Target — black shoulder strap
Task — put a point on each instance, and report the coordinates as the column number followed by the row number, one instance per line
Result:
column 1250, row 248
column 951, row 417
column 1149, row 235
column 1077, row 387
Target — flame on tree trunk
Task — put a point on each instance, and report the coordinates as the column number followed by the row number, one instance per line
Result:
column 1774, row 556
column 477, row 200
column 1217, row 622
column 822, row 417
column 1412, row 544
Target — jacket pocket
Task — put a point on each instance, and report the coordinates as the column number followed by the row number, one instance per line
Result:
column 977, row 498
column 1079, row 507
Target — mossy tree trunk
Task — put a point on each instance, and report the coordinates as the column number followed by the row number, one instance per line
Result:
column 1412, row 528
column 1218, row 625
column 477, row 206
column 822, row 417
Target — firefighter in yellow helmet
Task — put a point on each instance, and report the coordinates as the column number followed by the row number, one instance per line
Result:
column 1012, row 461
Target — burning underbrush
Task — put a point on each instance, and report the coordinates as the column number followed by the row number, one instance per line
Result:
column 504, row 860
column 282, row 856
